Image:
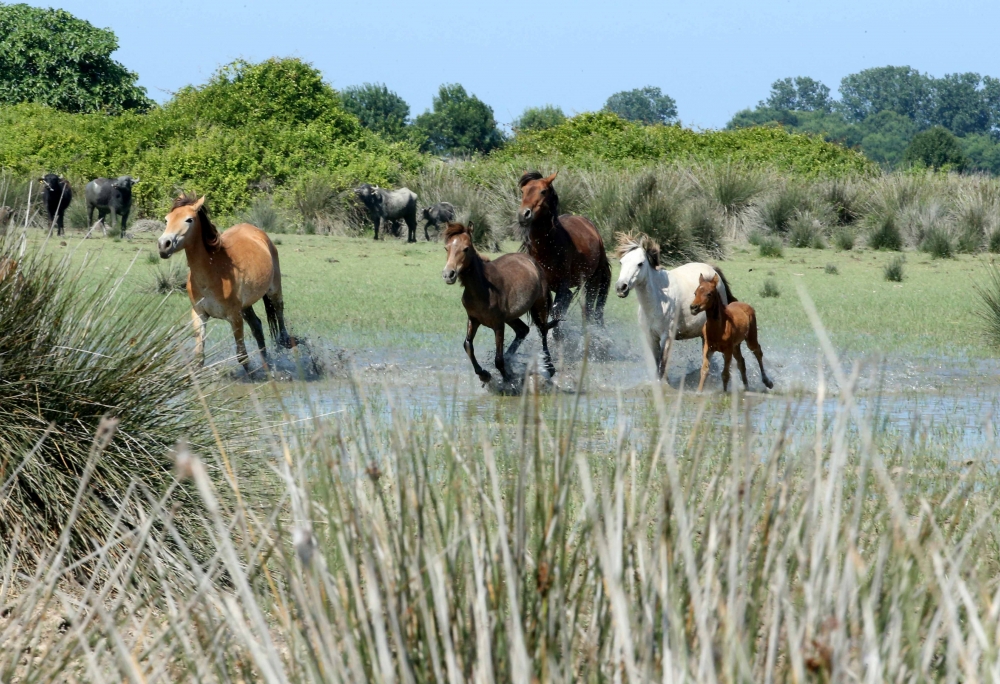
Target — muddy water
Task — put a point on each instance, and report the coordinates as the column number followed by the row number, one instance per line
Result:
column 949, row 399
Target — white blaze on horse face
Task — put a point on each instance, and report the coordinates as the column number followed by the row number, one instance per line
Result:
column 450, row 273
column 633, row 273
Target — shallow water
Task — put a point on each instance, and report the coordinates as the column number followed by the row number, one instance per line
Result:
column 924, row 396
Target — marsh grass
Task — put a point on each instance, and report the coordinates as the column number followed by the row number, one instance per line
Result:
column 843, row 239
column 770, row 247
column 72, row 355
column 435, row 550
column 831, row 269
column 893, row 271
column 170, row 277
column 265, row 214
column 770, row 289
column 806, row 231
column 938, row 244
column 988, row 309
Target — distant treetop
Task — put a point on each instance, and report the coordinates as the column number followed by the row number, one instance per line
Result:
column 801, row 94
column 50, row 57
column 646, row 105
column 539, row 118
column 459, row 124
column 378, row 108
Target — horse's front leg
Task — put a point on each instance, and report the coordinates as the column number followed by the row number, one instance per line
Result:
column 470, row 335
column 706, row 354
column 727, row 357
column 200, row 321
column 241, row 348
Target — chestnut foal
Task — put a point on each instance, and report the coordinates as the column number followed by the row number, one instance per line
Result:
column 726, row 327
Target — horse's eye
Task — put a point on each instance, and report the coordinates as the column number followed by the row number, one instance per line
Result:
column 189, row 220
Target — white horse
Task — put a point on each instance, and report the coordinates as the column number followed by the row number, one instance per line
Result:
column 664, row 296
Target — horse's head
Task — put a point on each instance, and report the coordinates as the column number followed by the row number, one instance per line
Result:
column 638, row 255
column 458, row 245
column 188, row 217
column 538, row 198
column 706, row 295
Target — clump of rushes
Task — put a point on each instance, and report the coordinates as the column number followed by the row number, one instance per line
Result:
column 831, row 269
column 893, row 270
column 72, row 355
column 770, row 289
column 771, row 247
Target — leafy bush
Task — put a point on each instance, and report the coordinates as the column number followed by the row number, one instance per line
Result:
column 595, row 140
column 770, row 289
column 71, row 356
column 893, row 270
column 460, row 123
column 378, row 109
column 252, row 129
column 937, row 243
column 539, row 118
column 50, row 57
column 645, row 105
column 770, row 246
column 936, row 148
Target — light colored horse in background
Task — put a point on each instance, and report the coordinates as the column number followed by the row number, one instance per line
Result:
column 664, row 296
column 229, row 273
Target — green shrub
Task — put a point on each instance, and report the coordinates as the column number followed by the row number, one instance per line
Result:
column 770, row 246
column 263, row 214
column 779, row 210
column 596, row 139
column 707, row 229
column 170, row 278
column 756, row 236
column 539, row 118
column 988, row 311
column 842, row 195
column 843, row 239
column 936, row 148
column 770, row 289
column 994, row 242
column 938, row 244
column 831, row 269
column 806, row 231
column 885, row 234
column 893, row 270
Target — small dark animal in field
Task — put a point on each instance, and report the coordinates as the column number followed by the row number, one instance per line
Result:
column 568, row 248
column 6, row 214
column 56, row 195
column 726, row 327
column 437, row 215
column 110, row 197
column 390, row 205
column 497, row 293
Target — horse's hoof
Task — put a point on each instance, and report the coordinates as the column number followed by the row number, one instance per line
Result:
column 485, row 377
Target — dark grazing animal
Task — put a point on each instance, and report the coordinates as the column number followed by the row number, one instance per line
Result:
column 437, row 215
column 568, row 248
column 56, row 195
column 390, row 205
column 497, row 293
column 727, row 326
column 110, row 197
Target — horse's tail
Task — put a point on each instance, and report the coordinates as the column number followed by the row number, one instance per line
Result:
column 272, row 319
column 729, row 288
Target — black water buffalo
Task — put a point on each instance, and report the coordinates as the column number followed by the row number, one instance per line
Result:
column 110, row 197
column 437, row 215
column 56, row 195
column 390, row 205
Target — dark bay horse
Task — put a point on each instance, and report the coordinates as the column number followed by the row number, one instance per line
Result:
column 497, row 293
column 568, row 248
column 727, row 326
column 229, row 273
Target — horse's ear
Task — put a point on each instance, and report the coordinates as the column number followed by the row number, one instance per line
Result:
column 468, row 228
column 548, row 180
column 715, row 279
column 701, row 278
column 198, row 205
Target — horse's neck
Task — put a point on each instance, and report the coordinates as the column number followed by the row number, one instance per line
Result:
column 473, row 279
column 655, row 291
column 716, row 311
column 194, row 248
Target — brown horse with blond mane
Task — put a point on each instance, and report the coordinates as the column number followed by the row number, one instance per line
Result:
column 497, row 293
column 568, row 248
column 229, row 273
column 727, row 326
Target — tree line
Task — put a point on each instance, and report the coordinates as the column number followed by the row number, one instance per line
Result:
column 896, row 115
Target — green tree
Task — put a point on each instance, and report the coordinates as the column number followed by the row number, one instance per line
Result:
column 50, row 57
column 983, row 152
column 539, row 118
column 886, row 136
column 960, row 105
column 899, row 89
column 648, row 105
column 801, row 94
column 460, row 123
column 378, row 108
column 936, row 148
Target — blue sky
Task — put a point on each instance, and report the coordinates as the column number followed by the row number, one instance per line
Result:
column 714, row 57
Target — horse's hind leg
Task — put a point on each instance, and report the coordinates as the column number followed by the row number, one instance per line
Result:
column 597, row 294
column 520, row 332
column 257, row 328
column 274, row 308
column 540, row 317
column 498, row 359
column 742, row 365
column 754, row 346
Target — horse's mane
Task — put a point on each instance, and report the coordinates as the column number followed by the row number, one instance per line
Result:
column 209, row 233
column 631, row 241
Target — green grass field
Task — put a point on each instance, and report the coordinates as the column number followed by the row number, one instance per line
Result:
column 353, row 290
